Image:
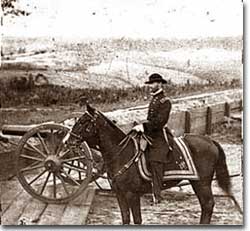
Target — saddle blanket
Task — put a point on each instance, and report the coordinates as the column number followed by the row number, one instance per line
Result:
column 180, row 164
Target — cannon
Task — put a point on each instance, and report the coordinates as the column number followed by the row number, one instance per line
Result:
column 46, row 166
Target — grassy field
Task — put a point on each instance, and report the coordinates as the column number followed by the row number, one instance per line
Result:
column 112, row 71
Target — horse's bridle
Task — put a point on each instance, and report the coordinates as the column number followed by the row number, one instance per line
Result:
column 124, row 142
column 93, row 121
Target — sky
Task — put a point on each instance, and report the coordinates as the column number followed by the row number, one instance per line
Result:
column 127, row 18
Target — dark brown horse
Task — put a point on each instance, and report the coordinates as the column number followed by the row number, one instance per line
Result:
column 101, row 133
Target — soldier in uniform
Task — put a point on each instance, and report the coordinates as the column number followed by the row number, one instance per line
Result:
column 158, row 114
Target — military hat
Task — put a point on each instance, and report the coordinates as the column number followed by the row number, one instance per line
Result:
column 155, row 78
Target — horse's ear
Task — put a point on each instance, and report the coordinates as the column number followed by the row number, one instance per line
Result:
column 90, row 109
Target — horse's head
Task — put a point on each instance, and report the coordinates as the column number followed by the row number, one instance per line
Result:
column 85, row 129
column 93, row 127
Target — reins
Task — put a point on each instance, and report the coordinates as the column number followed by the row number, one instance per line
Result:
column 75, row 135
column 132, row 135
column 130, row 162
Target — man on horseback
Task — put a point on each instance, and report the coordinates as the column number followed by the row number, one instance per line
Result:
column 158, row 115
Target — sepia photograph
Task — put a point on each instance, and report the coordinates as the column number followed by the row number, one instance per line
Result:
column 121, row 113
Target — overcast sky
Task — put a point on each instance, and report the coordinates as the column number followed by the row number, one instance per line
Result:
column 129, row 18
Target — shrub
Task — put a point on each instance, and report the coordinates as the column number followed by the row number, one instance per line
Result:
column 22, row 91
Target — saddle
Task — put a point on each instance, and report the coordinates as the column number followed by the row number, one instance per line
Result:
column 179, row 163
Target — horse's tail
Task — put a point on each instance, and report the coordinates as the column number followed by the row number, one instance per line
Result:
column 222, row 174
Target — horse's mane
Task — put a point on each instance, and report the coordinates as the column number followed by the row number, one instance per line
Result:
column 111, row 123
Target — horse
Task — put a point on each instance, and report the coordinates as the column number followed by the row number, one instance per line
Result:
column 101, row 133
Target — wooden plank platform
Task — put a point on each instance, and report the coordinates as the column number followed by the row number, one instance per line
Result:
column 19, row 208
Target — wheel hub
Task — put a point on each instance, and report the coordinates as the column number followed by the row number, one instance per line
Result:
column 53, row 164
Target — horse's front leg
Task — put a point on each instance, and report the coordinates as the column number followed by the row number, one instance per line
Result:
column 124, row 207
column 135, row 205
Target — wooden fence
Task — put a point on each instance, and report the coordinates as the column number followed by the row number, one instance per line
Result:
column 199, row 120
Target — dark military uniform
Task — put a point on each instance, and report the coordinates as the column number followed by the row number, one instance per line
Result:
column 158, row 115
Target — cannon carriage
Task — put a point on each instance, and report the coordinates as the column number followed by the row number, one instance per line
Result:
column 49, row 168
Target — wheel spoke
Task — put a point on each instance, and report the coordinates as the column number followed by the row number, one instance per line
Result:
column 54, row 185
column 64, row 154
column 70, row 177
column 33, row 164
column 31, row 150
column 61, row 144
column 67, row 165
column 59, row 148
column 43, row 143
column 52, row 140
column 73, row 158
column 37, row 177
column 45, row 183
column 31, row 157
column 63, row 183
column 36, row 150
column 29, row 168
column 72, row 164
column 79, row 173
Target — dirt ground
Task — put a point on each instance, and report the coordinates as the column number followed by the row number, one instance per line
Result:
column 180, row 206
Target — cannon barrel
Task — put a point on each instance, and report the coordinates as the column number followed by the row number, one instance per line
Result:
column 20, row 130
column 16, row 130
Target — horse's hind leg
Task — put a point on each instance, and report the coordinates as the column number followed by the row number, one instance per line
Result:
column 135, row 205
column 203, row 191
column 124, row 207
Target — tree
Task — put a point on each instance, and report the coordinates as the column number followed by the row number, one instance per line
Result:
column 8, row 7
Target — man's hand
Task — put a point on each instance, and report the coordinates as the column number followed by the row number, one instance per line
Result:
column 138, row 128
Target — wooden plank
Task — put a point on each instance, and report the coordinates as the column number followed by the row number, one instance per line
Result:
column 209, row 121
column 11, row 215
column 237, row 115
column 199, row 130
column 198, row 125
column 198, row 122
column 218, row 107
column 76, row 212
column 198, row 113
column 52, row 214
column 218, row 112
column 227, row 109
column 10, row 190
column 7, row 169
column 218, row 117
column 177, row 122
column 236, row 105
column 187, row 122
column 32, row 212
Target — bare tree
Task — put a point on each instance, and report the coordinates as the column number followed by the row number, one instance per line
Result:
column 8, row 7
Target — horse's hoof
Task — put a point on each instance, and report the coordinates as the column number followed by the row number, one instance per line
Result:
column 157, row 201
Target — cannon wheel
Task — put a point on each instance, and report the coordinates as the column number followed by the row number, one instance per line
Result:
column 48, row 169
